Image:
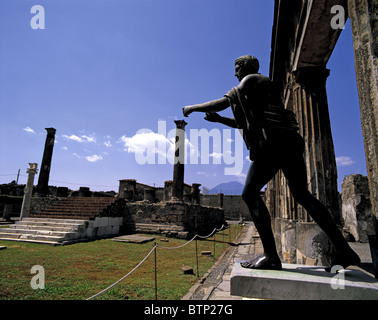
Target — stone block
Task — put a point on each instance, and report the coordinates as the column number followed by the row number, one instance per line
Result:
column 115, row 229
column 313, row 246
column 356, row 207
column 134, row 238
column 115, row 221
column 187, row 270
column 300, row 282
column 288, row 241
column 101, row 222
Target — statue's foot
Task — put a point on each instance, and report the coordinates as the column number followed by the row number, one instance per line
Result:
column 263, row 262
column 345, row 259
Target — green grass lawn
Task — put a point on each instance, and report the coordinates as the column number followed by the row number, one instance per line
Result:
column 81, row 270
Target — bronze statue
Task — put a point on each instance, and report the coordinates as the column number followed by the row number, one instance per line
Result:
column 271, row 134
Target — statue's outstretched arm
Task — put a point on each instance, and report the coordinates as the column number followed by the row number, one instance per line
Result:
column 215, row 117
column 211, row 106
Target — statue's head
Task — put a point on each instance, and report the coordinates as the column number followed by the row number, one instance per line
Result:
column 245, row 65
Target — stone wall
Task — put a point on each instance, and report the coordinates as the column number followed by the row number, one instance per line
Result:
column 10, row 206
column 212, row 200
column 189, row 218
column 233, row 205
column 235, row 208
column 356, row 208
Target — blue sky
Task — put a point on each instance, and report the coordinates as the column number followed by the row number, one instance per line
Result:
column 101, row 71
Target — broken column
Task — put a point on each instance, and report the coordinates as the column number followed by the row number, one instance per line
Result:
column 195, row 193
column 31, row 171
column 178, row 168
column 44, row 174
column 356, row 208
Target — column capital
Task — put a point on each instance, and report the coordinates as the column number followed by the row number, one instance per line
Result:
column 310, row 77
column 180, row 124
column 32, row 168
column 50, row 130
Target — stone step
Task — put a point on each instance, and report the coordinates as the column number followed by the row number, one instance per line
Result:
column 68, row 216
column 53, row 243
column 76, row 208
column 56, row 220
column 61, row 231
column 65, row 234
column 29, row 236
column 46, row 227
column 70, row 212
column 48, row 231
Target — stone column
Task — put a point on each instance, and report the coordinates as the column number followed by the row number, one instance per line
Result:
column 195, row 193
column 178, row 168
column 31, row 171
column 309, row 102
column 363, row 16
column 43, row 179
column 167, row 190
column 311, row 107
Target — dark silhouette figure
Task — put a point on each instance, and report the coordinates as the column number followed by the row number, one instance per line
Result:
column 270, row 133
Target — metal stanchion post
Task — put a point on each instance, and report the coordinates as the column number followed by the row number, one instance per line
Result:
column 197, row 259
column 214, row 244
column 155, row 275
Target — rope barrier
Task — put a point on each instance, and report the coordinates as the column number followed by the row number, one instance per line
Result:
column 183, row 245
column 145, row 258
column 212, row 232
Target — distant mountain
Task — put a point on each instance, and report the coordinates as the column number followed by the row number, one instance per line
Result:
column 230, row 188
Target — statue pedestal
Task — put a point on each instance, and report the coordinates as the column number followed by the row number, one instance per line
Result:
column 302, row 282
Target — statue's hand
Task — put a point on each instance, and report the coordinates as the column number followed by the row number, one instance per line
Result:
column 187, row 111
column 212, row 117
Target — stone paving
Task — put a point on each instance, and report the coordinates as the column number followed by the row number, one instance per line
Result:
column 215, row 285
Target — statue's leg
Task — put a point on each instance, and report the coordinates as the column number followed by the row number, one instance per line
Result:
column 260, row 173
column 295, row 171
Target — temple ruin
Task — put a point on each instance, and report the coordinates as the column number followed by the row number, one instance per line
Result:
column 303, row 39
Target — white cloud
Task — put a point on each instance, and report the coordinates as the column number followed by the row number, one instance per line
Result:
column 344, row 161
column 28, row 129
column 143, row 141
column 80, row 139
column 149, row 143
column 107, row 144
column 146, row 144
column 206, row 174
column 94, row 158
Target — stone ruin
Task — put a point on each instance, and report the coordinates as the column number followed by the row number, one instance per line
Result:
column 174, row 211
column 303, row 39
column 356, row 208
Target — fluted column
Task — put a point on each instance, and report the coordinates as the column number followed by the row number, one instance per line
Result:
column 311, row 107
